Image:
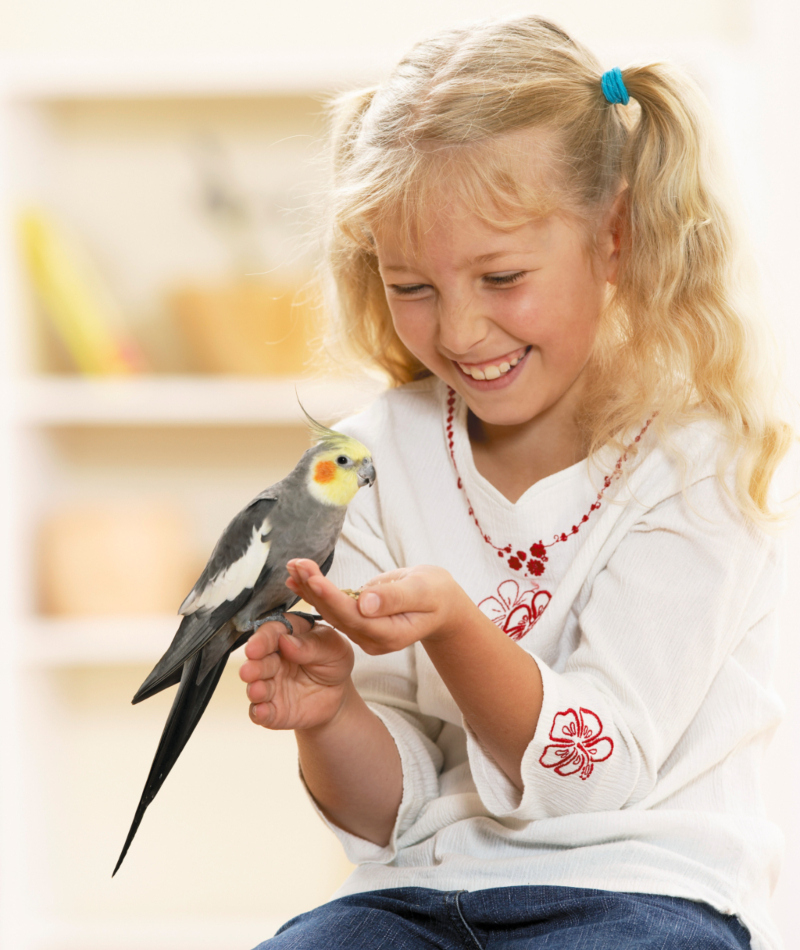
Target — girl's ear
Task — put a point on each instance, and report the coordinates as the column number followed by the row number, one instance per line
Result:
column 615, row 226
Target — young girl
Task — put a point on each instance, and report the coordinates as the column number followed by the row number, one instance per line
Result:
column 553, row 730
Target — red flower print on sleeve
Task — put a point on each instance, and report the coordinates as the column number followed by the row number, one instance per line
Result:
column 577, row 743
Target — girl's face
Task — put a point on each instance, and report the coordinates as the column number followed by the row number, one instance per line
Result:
column 507, row 318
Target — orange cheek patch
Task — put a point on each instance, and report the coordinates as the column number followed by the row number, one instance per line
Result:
column 324, row 472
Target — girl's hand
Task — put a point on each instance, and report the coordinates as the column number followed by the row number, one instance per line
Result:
column 297, row 682
column 393, row 610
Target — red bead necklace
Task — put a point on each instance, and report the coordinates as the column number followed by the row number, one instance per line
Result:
column 531, row 563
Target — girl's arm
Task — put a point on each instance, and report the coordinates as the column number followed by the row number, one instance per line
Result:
column 495, row 683
column 352, row 768
column 348, row 759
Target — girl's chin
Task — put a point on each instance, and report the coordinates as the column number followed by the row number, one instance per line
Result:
column 501, row 416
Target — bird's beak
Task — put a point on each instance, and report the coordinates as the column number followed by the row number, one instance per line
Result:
column 366, row 473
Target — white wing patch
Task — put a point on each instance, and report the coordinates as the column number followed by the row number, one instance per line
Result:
column 237, row 577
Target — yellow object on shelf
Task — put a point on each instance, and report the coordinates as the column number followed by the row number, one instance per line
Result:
column 248, row 328
column 73, row 297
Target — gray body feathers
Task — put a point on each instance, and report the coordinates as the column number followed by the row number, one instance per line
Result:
column 245, row 577
column 243, row 581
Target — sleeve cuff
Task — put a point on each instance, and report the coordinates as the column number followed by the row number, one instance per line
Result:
column 576, row 762
column 421, row 761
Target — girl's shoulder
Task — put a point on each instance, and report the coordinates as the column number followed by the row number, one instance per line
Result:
column 671, row 458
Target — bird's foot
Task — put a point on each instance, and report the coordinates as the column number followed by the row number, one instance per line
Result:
column 275, row 615
column 313, row 619
column 280, row 616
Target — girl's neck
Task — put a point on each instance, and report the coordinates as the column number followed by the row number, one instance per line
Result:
column 512, row 458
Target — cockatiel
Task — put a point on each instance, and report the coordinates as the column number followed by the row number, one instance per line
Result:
column 243, row 585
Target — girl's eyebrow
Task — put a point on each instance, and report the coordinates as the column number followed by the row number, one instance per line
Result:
column 385, row 267
column 480, row 259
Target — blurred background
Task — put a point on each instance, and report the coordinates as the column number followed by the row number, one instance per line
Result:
column 159, row 179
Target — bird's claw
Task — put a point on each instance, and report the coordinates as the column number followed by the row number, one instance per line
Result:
column 313, row 619
column 279, row 616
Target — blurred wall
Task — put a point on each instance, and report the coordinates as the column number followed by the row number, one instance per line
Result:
column 104, row 26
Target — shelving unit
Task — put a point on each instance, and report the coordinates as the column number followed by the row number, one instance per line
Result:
column 188, row 401
column 96, row 641
column 231, row 847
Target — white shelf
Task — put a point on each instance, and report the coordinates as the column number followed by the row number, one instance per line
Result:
column 188, row 400
column 159, row 76
column 97, row 641
column 52, row 642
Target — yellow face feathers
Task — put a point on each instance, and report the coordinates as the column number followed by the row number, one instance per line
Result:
column 338, row 471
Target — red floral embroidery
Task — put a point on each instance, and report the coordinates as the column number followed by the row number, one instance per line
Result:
column 535, row 568
column 515, row 613
column 578, row 743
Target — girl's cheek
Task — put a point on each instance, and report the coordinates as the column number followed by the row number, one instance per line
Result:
column 521, row 307
column 415, row 333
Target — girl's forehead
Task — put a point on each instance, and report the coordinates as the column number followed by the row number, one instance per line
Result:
column 485, row 190
column 460, row 238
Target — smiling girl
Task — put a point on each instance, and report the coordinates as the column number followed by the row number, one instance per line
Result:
column 541, row 722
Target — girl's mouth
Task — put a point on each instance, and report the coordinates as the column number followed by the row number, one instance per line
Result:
column 494, row 375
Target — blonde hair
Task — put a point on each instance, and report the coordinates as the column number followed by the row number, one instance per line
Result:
column 678, row 333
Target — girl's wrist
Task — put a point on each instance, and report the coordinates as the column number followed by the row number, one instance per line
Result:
column 342, row 717
column 458, row 615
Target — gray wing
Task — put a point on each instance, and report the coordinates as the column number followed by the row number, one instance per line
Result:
column 227, row 640
column 238, row 564
column 236, row 558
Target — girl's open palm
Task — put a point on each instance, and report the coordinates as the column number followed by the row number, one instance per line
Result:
column 392, row 611
column 297, row 682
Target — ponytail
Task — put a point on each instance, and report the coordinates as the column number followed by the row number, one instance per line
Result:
column 686, row 315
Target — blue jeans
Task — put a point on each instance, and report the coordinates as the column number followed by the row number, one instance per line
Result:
column 510, row 918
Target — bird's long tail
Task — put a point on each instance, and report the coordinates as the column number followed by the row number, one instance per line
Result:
column 189, row 705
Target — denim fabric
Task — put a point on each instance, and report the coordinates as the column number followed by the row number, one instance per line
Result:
column 510, row 918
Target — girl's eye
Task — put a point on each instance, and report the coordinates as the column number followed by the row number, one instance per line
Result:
column 407, row 290
column 499, row 280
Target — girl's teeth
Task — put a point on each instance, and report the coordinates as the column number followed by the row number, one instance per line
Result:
column 490, row 372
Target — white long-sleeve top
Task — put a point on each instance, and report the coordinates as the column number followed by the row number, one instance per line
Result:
column 648, row 602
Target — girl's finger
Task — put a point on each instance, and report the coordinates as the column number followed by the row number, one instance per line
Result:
column 322, row 593
column 266, row 668
column 300, row 569
column 409, row 594
column 261, row 713
column 261, row 691
column 293, row 585
column 265, row 640
column 321, row 646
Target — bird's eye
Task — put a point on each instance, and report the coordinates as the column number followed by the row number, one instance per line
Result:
column 342, row 460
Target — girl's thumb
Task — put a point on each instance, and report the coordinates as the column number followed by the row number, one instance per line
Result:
column 292, row 646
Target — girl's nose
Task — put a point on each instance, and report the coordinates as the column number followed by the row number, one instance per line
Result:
column 462, row 326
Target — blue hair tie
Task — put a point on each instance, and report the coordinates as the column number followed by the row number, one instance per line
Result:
column 613, row 87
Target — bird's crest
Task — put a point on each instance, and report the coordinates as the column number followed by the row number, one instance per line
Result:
column 322, row 435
